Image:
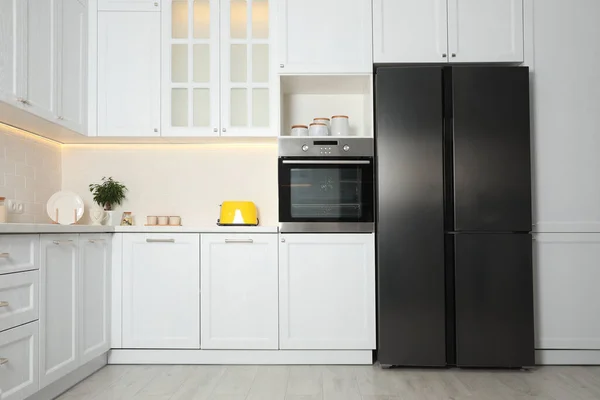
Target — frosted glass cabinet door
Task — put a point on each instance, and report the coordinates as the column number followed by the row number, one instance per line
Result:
column 190, row 69
column 247, row 98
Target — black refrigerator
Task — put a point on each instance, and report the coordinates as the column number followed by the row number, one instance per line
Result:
column 454, row 246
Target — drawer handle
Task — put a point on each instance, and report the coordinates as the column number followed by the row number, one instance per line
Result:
column 4, row 255
column 4, row 304
column 239, row 241
column 3, row 361
column 160, row 240
column 95, row 240
column 59, row 242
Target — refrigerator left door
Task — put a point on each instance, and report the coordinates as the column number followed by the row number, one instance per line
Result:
column 410, row 216
column 494, row 300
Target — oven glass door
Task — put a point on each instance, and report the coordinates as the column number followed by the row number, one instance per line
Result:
column 330, row 190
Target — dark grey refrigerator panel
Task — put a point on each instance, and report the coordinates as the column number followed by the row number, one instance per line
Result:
column 410, row 222
column 491, row 136
column 494, row 300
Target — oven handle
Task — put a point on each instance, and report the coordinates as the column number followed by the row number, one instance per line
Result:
column 330, row 162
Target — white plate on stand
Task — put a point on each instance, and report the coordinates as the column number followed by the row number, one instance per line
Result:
column 65, row 208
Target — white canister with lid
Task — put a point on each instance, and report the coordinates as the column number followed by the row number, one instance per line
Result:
column 299, row 130
column 318, row 129
column 340, row 125
column 325, row 121
column 2, row 210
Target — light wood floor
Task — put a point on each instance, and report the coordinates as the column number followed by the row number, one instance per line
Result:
column 334, row 383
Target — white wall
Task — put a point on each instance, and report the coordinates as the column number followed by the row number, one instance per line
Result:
column 186, row 180
column 30, row 171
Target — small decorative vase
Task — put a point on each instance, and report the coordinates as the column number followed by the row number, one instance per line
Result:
column 112, row 218
column 97, row 216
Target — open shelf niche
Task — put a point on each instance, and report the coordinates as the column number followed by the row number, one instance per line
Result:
column 305, row 97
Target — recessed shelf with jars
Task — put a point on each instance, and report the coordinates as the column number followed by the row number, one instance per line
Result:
column 306, row 97
column 218, row 75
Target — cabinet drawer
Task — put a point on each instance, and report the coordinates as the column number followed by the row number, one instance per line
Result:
column 19, row 299
column 19, row 362
column 19, row 253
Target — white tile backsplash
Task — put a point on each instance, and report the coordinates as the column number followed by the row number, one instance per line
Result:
column 30, row 171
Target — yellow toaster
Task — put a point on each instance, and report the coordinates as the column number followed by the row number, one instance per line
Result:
column 238, row 213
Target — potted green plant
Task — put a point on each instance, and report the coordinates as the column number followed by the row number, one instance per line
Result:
column 107, row 194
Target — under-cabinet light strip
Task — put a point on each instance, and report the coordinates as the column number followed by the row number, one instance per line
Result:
column 26, row 134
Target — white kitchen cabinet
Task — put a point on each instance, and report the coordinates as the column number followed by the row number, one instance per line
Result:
column 325, row 37
column 239, row 291
column 19, row 299
column 128, row 74
column 485, row 31
column 39, row 95
column 71, row 109
column 566, row 276
column 94, row 294
column 19, row 253
column 128, row 5
column 19, row 362
column 59, row 314
column 12, row 51
column 410, row 31
column 327, row 291
column 161, row 291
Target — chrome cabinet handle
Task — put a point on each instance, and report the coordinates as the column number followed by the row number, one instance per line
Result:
column 160, row 240
column 59, row 242
column 26, row 102
column 156, row 130
column 282, row 240
column 453, row 54
column 239, row 241
column 281, row 66
column 155, row 4
column 4, row 304
column 3, row 361
column 95, row 240
column 224, row 129
column 215, row 129
column 444, row 55
column 4, row 255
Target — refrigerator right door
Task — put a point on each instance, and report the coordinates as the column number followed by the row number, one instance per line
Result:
column 491, row 140
column 494, row 300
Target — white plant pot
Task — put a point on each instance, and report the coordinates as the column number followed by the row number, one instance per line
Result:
column 112, row 218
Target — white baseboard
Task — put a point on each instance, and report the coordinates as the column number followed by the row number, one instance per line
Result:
column 66, row 382
column 567, row 357
column 300, row 357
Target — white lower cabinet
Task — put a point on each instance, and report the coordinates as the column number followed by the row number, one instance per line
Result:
column 94, row 292
column 239, row 291
column 59, row 315
column 19, row 376
column 161, row 291
column 19, row 299
column 327, row 291
column 566, row 276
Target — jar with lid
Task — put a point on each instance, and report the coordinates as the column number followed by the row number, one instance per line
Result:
column 2, row 210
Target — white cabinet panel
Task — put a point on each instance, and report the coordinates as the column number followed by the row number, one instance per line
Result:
column 161, row 291
column 12, row 50
column 128, row 74
column 72, row 59
column 19, row 356
column 485, row 30
column 327, row 291
column 59, row 317
column 129, row 5
column 19, row 299
column 567, row 273
column 239, row 291
column 410, row 31
column 94, row 295
column 325, row 36
column 19, row 253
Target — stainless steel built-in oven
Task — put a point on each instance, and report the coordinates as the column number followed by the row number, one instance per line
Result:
column 326, row 185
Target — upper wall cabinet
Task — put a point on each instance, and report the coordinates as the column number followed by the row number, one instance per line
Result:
column 325, row 36
column 12, row 51
column 410, row 31
column 128, row 5
column 128, row 74
column 217, row 69
column 485, row 30
column 456, row 31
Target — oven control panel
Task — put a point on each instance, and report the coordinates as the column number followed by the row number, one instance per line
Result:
column 305, row 147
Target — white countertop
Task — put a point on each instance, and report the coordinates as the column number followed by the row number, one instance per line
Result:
column 53, row 228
